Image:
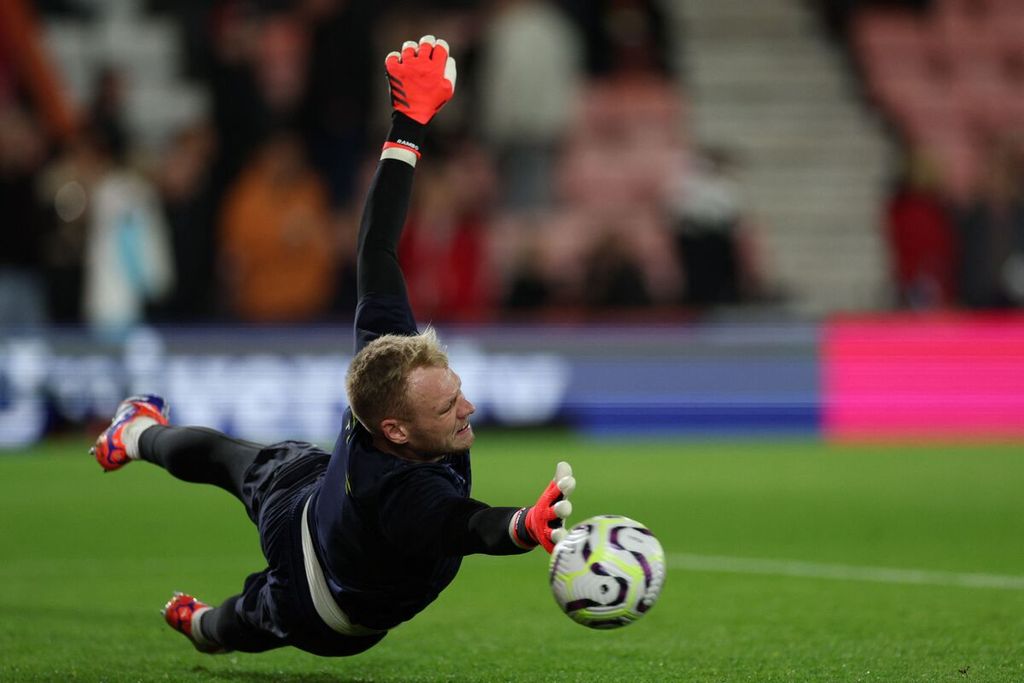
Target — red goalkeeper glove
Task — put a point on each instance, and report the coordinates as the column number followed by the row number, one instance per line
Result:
column 421, row 78
column 544, row 523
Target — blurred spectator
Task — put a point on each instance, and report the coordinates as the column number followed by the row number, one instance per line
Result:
column 580, row 260
column 528, row 288
column 22, row 148
column 63, row 188
column 443, row 249
column 187, row 192
column 277, row 250
column 346, row 236
column 921, row 238
column 107, row 111
column 529, row 81
column 708, row 217
column 614, row 278
column 241, row 118
column 640, row 41
column 992, row 234
column 624, row 35
column 838, row 14
column 280, row 63
column 194, row 21
column 342, row 67
column 128, row 258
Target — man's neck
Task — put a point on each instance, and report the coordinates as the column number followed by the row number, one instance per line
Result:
column 402, row 451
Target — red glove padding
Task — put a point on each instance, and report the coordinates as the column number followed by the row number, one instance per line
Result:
column 421, row 78
column 544, row 523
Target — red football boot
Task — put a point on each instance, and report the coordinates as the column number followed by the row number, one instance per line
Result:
column 109, row 449
column 180, row 612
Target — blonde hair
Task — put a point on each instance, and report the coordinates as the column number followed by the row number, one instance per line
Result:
column 377, row 376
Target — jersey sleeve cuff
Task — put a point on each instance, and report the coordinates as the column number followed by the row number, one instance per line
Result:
column 405, row 139
column 400, row 152
column 517, row 530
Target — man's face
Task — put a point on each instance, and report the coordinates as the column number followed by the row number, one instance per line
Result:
column 440, row 413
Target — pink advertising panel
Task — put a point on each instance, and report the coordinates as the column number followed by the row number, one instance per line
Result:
column 907, row 377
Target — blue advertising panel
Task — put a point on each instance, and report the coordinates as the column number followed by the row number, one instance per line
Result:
column 272, row 383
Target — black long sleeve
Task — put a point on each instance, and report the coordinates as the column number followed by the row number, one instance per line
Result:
column 387, row 204
column 383, row 305
column 475, row 527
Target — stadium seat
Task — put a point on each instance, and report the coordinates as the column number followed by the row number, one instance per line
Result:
column 888, row 32
column 948, row 79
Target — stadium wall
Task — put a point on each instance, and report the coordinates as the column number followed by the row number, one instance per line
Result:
column 846, row 379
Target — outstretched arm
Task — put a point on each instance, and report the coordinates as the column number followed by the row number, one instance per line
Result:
column 421, row 79
column 456, row 526
column 509, row 531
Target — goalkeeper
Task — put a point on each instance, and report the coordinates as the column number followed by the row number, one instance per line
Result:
column 360, row 540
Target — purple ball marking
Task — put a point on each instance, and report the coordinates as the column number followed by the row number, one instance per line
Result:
column 581, row 603
column 608, row 623
column 648, row 573
column 596, row 568
column 613, row 538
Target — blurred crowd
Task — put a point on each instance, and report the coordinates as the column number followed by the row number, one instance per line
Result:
column 558, row 182
column 948, row 76
column 959, row 254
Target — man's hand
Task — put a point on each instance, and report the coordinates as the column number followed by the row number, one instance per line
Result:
column 421, row 78
column 544, row 523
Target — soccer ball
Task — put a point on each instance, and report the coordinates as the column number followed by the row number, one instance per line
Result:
column 607, row 572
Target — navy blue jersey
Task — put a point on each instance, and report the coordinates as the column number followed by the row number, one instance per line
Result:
column 378, row 524
column 378, row 521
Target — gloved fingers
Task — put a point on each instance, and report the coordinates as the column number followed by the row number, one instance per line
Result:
column 442, row 56
column 566, row 485
column 450, row 72
column 393, row 59
column 558, row 488
column 558, row 534
column 427, row 42
column 441, row 49
column 562, row 509
column 409, row 48
column 564, row 480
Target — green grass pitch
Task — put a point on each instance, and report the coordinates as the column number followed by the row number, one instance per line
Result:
column 87, row 560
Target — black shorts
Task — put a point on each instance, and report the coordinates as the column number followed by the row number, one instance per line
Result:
column 277, row 599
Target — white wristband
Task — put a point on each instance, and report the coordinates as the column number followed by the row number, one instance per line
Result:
column 401, row 154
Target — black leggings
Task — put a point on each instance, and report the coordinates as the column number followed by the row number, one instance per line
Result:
column 200, row 455
column 206, row 456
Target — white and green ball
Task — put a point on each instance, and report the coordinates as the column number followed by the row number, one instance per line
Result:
column 607, row 572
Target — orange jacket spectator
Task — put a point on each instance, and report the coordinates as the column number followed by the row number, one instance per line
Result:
column 276, row 242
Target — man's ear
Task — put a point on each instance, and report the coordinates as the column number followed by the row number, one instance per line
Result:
column 394, row 431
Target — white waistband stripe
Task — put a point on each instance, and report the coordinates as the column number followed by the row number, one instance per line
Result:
column 323, row 601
